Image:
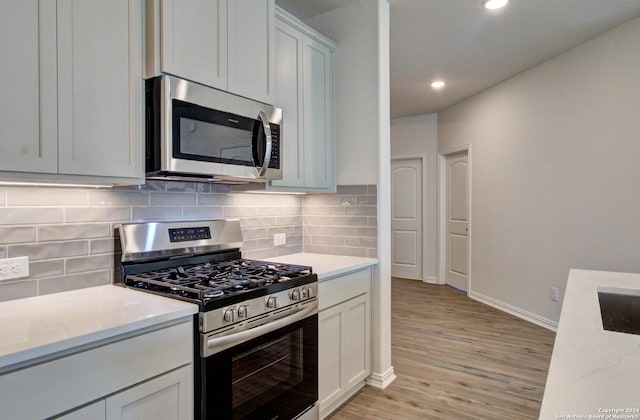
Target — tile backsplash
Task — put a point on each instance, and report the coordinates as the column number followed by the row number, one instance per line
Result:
column 67, row 233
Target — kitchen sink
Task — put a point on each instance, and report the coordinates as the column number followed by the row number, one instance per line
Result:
column 620, row 309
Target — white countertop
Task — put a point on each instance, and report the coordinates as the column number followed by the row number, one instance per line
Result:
column 593, row 371
column 327, row 266
column 34, row 328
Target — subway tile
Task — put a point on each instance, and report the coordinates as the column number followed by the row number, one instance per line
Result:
column 97, row 214
column 220, row 188
column 318, row 220
column 327, row 240
column 172, row 199
column 318, row 249
column 29, row 215
column 288, row 250
column 240, row 212
column 89, row 263
column 324, row 211
column 264, row 243
column 249, row 245
column 257, row 222
column 294, row 240
column 18, row 290
column 349, row 221
column 370, row 232
column 329, row 200
column 312, row 230
column 372, row 221
column 366, row 200
column 221, row 200
column 45, row 251
column 202, row 213
column 372, row 253
column 156, row 213
column 338, row 230
column 118, row 198
column 255, row 233
column 352, row 189
column 289, row 220
column 288, row 230
column 349, row 251
column 250, row 199
column 361, row 211
column 3, row 251
column 372, row 189
column 284, row 200
column 101, row 246
column 48, row 233
column 42, row 196
column 155, row 185
column 3, row 196
column 73, row 282
column 46, row 268
column 361, row 242
column 17, row 234
column 260, row 254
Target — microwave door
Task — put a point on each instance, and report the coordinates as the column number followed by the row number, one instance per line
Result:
column 262, row 143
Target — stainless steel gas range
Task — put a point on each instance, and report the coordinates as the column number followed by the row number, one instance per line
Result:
column 256, row 354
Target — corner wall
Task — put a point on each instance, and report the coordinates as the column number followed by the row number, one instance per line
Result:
column 556, row 172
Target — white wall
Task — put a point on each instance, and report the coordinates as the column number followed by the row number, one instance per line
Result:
column 355, row 29
column 361, row 31
column 418, row 135
column 555, row 171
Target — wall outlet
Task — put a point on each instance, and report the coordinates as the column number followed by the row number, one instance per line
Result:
column 14, row 268
column 279, row 239
column 555, row 295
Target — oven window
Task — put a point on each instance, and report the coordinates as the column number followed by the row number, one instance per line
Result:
column 260, row 375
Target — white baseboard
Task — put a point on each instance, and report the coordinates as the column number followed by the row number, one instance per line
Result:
column 381, row 380
column 520, row 313
column 430, row 280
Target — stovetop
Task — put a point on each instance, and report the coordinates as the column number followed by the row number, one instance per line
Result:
column 216, row 284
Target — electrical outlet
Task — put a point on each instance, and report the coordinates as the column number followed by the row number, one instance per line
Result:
column 14, row 268
column 279, row 239
column 555, row 296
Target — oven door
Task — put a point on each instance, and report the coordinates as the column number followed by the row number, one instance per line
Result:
column 274, row 376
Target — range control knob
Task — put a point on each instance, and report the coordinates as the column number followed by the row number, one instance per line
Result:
column 307, row 293
column 243, row 311
column 294, row 294
column 229, row 315
column 272, row 302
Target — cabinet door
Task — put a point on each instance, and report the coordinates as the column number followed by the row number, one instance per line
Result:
column 251, row 68
column 357, row 346
column 95, row 411
column 318, row 115
column 28, row 125
column 168, row 397
column 194, row 40
column 289, row 98
column 330, row 363
column 100, row 87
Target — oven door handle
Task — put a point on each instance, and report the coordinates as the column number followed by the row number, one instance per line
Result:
column 268, row 143
column 217, row 344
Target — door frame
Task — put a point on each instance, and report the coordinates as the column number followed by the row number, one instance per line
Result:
column 442, row 211
column 422, row 157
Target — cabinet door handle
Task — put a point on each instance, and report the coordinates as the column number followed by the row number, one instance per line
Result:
column 267, row 149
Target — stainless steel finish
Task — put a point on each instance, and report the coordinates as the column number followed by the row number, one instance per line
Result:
column 213, row 321
column 229, row 315
column 243, row 311
column 272, row 302
column 143, row 241
column 269, row 141
column 295, row 294
column 218, row 341
column 184, row 90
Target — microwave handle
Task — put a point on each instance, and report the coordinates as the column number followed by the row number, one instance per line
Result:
column 267, row 149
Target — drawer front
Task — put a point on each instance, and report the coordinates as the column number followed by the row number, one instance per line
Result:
column 337, row 290
column 74, row 380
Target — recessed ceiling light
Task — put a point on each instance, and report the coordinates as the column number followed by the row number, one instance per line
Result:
column 494, row 4
column 437, row 84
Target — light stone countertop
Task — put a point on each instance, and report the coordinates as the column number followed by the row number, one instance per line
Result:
column 327, row 266
column 593, row 372
column 36, row 328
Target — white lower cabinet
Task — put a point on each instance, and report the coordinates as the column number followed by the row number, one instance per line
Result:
column 344, row 338
column 143, row 376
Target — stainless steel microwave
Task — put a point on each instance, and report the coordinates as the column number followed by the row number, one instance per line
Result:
column 197, row 133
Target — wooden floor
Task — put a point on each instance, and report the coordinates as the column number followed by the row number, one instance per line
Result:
column 456, row 358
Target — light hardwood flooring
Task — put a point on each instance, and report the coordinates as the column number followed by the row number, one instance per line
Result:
column 456, row 358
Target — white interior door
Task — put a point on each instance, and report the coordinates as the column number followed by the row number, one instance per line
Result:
column 406, row 218
column 457, row 217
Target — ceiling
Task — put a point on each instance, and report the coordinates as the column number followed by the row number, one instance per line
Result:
column 471, row 48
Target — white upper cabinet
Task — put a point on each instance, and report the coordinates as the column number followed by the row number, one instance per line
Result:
column 228, row 45
column 251, row 67
column 305, row 92
column 100, row 87
column 72, row 91
column 28, row 124
column 194, row 40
